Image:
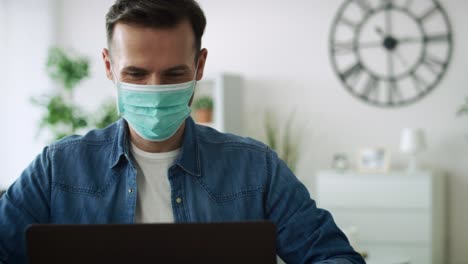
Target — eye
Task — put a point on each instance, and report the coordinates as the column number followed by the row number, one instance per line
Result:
column 136, row 74
column 176, row 74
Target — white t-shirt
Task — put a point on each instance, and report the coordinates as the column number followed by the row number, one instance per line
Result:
column 154, row 190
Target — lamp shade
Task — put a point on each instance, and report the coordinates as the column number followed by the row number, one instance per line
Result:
column 412, row 141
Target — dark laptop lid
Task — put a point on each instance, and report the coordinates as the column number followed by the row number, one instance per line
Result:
column 249, row 242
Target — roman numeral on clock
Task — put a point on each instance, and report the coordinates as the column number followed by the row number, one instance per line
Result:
column 429, row 13
column 350, row 23
column 343, row 48
column 433, row 64
column 351, row 75
column 419, row 82
column 394, row 93
column 364, row 5
column 438, row 38
column 371, row 88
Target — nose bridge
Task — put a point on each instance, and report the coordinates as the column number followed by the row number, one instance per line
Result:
column 154, row 79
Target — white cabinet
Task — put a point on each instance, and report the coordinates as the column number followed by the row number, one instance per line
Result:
column 226, row 90
column 397, row 215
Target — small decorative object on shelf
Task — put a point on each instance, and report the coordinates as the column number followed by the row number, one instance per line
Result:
column 340, row 162
column 373, row 160
column 463, row 109
column 203, row 107
column 412, row 142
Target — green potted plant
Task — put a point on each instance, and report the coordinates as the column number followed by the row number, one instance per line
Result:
column 203, row 108
column 62, row 116
column 286, row 143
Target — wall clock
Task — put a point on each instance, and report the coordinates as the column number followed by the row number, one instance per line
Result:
column 390, row 53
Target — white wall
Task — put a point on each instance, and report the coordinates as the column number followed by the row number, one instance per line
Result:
column 81, row 28
column 281, row 49
column 27, row 32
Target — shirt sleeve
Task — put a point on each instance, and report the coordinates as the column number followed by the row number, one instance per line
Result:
column 305, row 233
column 24, row 203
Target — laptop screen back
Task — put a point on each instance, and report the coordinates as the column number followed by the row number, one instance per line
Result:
column 249, row 242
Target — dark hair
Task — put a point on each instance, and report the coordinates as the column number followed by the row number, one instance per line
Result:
column 156, row 14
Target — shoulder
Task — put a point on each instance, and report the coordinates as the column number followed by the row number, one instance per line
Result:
column 208, row 136
column 95, row 137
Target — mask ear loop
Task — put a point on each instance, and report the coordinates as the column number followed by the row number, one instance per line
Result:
column 195, row 80
column 116, row 80
column 196, row 69
column 117, row 87
column 195, row 77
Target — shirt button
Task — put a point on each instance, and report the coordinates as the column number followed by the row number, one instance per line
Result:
column 130, row 190
column 178, row 200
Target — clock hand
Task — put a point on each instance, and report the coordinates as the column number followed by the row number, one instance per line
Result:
column 389, row 42
column 380, row 32
column 375, row 44
column 390, row 64
column 388, row 18
column 409, row 40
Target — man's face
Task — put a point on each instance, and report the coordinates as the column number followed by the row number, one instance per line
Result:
column 143, row 55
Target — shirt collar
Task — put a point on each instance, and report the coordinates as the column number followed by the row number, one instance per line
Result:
column 120, row 149
column 189, row 158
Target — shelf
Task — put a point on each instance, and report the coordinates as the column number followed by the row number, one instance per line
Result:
column 226, row 90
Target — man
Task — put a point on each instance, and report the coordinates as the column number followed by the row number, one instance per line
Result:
column 155, row 164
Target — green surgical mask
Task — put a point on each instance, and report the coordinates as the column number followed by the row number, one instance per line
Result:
column 155, row 112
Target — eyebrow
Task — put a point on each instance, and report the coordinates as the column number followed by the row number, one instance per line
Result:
column 181, row 67
column 176, row 68
column 133, row 69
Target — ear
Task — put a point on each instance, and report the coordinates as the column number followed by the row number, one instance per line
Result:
column 107, row 64
column 201, row 63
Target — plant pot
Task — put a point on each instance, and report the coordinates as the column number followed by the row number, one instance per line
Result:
column 203, row 116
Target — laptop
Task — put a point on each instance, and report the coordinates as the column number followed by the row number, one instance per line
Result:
column 244, row 242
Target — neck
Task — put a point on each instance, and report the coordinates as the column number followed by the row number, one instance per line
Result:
column 170, row 144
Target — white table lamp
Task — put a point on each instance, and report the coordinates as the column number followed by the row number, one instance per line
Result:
column 412, row 142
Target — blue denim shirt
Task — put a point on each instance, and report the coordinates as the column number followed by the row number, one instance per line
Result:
column 92, row 179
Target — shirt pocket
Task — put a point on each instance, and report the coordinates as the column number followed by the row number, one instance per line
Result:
column 88, row 201
column 93, row 184
column 223, row 192
column 227, row 202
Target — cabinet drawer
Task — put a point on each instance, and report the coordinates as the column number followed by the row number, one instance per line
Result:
column 384, row 227
column 373, row 191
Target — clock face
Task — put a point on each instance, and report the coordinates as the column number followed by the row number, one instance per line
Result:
column 389, row 52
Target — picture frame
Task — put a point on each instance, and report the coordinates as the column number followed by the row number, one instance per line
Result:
column 373, row 160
